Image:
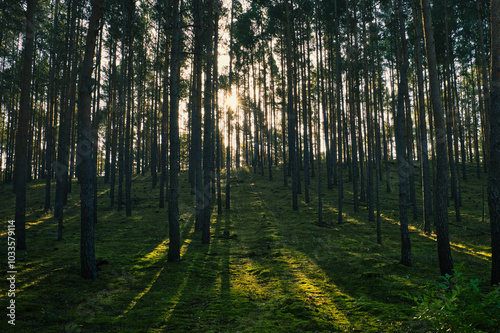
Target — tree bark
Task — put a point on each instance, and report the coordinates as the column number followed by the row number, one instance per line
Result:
column 424, row 153
column 63, row 150
column 173, row 203
column 196, row 142
column 87, row 251
column 229, row 116
column 340, row 125
column 21, row 147
column 486, row 91
column 130, row 8
column 208, row 128
column 403, row 166
column 52, row 102
column 292, row 115
column 494, row 170
column 441, row 188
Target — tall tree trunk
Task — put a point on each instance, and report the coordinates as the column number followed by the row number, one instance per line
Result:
column 268, row 117
column 130, row 9
column 87, row 251
column 292, row 115
column 164, row 136
column 154, row 133
column 476, row 128
column 208, row 128
column 449, row 106
column 340, row 125
column 114, row 134
column 63, row 150
column 229, row 115
column 494, row 174
column 403, row 166
column 283, row 113
column 486, row 91
column 322, row 104
column 354, row 148
column 95, row 124
column 256, row 106
column 52, row 102
column 21, row 147
column 218, row 152
column 173, row 203
column 305, row 112
column 318, row 139
column 121, row 119
column 71, row 97
column 424, row 152
column 369, row 117
column 378, row 155
column 441, row 187
column 450, row 139
column 196, row 143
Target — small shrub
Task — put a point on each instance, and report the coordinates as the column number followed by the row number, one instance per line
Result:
column 458, row 305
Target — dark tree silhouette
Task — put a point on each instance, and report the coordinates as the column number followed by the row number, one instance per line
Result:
column 403, row 166
column 21, row 148
column 173, row 198
column 494, row 175
column 441, row 188
column 84, row 164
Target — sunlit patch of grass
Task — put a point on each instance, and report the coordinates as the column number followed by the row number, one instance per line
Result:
column 154, row 256
column 139, row 296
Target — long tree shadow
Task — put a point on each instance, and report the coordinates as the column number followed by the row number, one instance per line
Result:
column 317, row 272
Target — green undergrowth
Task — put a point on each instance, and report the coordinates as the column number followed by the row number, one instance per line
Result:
column 267, row 269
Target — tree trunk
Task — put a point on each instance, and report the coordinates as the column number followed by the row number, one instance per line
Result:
column 130, row 9
column 494, row 174
column 114, row 133
column 340, row 125
column 173, row 203
column 21, row 147
column 403, row 166
column 229, row 115
column 354, row 148
column 208, row 128
column 369, row 120
column 305, row 112
column 441, row 188
column 95, row 124
column 485, row 88
column 218, row 152
column 424, row 153
column 292, row 115
column 63, row 150
column 52, row 102
column 164, row 132
column 87, row 251
column 196, row 143
column 154, row 133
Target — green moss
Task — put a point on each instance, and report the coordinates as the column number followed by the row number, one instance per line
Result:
column 268, row 268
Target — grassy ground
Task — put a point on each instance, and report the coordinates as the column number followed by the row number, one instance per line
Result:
column 267, row 268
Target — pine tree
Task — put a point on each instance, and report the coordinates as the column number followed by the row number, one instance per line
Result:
column 441, row 188
column 21, row 147
column 173, row 203
column 85, row 165
column 494, row 170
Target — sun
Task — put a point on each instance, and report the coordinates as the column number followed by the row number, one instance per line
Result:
column 232, row 102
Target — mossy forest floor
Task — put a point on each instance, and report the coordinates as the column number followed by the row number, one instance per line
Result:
column 267, row 269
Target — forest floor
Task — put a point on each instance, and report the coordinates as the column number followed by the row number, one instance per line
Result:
column 267, row 268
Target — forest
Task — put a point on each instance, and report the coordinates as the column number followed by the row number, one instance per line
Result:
column 250, row 165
